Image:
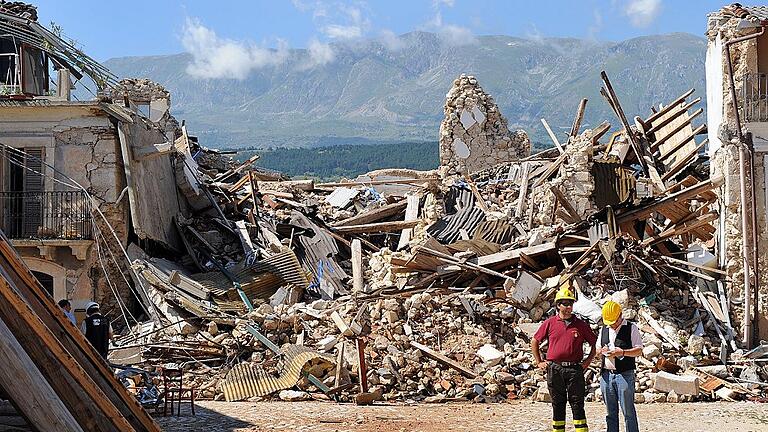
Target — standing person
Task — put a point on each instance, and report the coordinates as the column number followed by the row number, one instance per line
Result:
column 619, row 344
column 97, row 329
column 565, row 362
column 66, row 306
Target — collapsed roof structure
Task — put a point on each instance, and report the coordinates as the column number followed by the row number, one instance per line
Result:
column 423, row 285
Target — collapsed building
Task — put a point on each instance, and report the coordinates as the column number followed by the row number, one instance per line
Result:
column 399, row 284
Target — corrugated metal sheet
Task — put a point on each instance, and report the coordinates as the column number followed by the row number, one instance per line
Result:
column 614, row 184
column 457, row 198
column 446, row 229
column 247, row 380
column 498, row 231
column 317, row 254
column 260, row 280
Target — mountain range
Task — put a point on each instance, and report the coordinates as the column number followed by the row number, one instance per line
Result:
column 371, row 93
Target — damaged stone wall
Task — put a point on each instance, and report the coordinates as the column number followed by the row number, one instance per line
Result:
column 574, row 180
column 80, row 142
column 148, row 98
column 473, row 134
column 725, row 161
column 88, row 151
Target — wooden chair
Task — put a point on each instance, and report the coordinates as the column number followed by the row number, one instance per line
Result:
column 174, row 390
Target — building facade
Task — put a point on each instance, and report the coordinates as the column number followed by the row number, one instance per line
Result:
column 737, row 122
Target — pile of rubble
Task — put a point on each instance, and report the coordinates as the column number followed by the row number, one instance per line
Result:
column 427, row 286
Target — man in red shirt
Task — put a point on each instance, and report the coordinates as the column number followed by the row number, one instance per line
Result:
column 565, row 362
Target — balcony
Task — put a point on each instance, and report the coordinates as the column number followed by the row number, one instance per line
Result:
column 45, row 215
column 754, row 97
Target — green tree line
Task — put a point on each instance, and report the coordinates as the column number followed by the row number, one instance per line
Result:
column 334, row 162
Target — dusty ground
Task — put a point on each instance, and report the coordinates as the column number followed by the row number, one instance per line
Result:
column 519, row 416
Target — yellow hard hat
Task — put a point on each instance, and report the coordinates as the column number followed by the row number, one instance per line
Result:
column 611, row 312
column 564, row 293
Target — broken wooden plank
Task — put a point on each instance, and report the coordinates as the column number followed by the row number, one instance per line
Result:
column 26, row 386
column 666, row 109
column 304, row 185
column 552, row 136
column 339, row 364
column 443, row 359
column 245, row 239
column 579, row 117
column 377, row 227
column 565, row 203
column 460, row 263
column 236, row 170
column 620, row 113
column 660, row 330
column 682, row 228
column 677, row 113
column 692, row 273
column 685, row 194
column 379, row 182
column 682, row 142
column 521, row 199
column 683, row 161
column 694, row 265
column 411, row 214
column 511, row 256
column 599, row 131
column 550, row 170
column 374, row 215
column 357, row 266
column 479, row 200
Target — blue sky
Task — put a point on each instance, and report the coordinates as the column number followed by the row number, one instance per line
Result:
column 143, row 27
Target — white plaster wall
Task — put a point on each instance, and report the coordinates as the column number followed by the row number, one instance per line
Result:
column 57, row 272
column 713, row 67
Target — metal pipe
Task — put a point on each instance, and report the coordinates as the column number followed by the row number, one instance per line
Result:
column 747, row 336
column 755, row 266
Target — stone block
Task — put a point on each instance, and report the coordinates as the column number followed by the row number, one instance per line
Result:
column 680, row 384
column 651, row 351
column 542, row 395
column 490, row 355
column 525, row 289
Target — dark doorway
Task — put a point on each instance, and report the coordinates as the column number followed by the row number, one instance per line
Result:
column 46, row 281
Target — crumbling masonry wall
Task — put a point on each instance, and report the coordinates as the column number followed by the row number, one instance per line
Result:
column 473, row 134
column 80, row 142
column 573, row 179
column 88, row 151
column 725, row 162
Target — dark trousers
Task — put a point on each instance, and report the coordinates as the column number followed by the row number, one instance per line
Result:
column 566, row 385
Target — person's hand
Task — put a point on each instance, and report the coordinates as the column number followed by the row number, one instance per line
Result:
column 542, row 365
column 604, row 350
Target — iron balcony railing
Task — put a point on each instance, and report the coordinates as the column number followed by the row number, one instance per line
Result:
column 754, row 97
column 45, row 215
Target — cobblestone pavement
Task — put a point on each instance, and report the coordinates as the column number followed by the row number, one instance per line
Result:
column 522, row 416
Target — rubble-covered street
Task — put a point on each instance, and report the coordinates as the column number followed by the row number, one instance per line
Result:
column 512, row 417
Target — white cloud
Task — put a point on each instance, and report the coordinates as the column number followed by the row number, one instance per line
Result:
column 336, row 31
column 450, row 34
column 642, row 13
column 319, row 54
column 391, row 41
column 215, row 57
column 336, row 19
column 596, row 26
column 437, row 3
column 453, row 35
